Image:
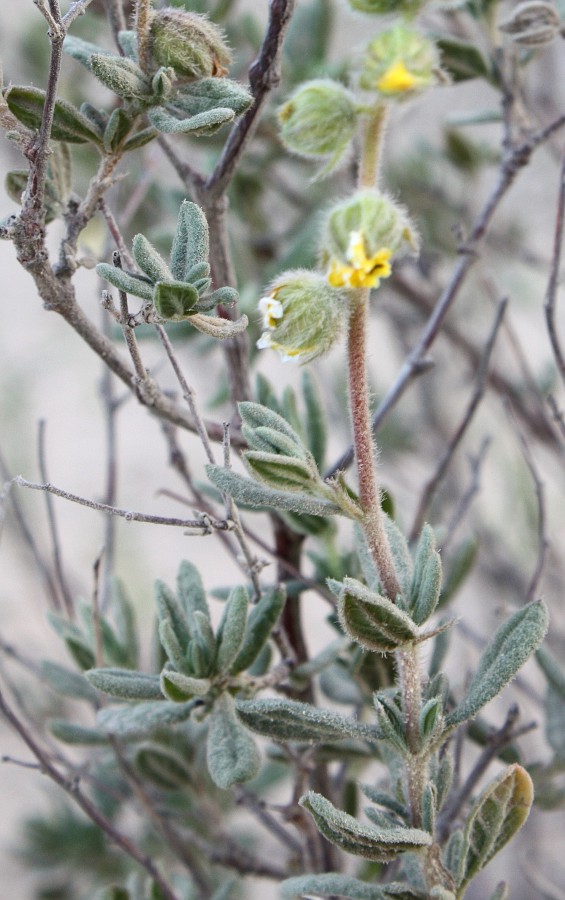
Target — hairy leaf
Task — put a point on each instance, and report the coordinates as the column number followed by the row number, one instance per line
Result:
column 191, row 243
column 231, row 630
column 210, row 93
column 259, row 496
column 511, row 646
column 125, row 684
column 373, row 621
column 498, row 814
column 143, row 719
column 231, row 753
column 175, row 300
column 289, row 720
column 379, row 844
column 203, row 123
column 69, row 124
column 68, row 683
column 332, row 884
column 262, row 619
column 179, row 687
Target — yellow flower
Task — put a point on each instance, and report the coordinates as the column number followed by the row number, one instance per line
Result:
column 397, row 79
column 362, row 271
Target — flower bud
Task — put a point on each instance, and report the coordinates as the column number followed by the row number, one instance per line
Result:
column 532, row 23
column 319, row 120
column 361, row 235
column 189, row 42
column 302, row 315
column 399, row 61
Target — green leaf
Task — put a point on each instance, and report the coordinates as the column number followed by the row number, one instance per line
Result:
column 149, row 261
column 67, row 683
column 261, row 621
column 231, row 753
column 83, row 51
column 125, row 281
column 140, row 139
column 511, row 646
column 498, row 814
column 429, row 591
column 179, row 687
column 315, row 418
column 210, row 93
column 77, row 644
column 332, row 884
column 168, row 607
column 368, row 841
column 163, row 767
column 204, row 123
column 259, row 496
column 171, row 646
column 217, row 327
column 552, row 670
column 460, row 566
column 143, row 719
column 231, row 630
column 370, row 619
column 464, row 61
column 191, row 242
column 390, row 722
column 400, row 554
column 190, row 590
column 289, row 720
column 121, row 75
column 124, row 617
column 269, row 440
column 70, row 733
column 69, row 124
column 224, row 296
column 254, row 415
column 125, row 684
column 118, row 127
column 277, row 471
column 174, row 300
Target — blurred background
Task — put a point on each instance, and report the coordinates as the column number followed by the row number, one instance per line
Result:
column 439, row 161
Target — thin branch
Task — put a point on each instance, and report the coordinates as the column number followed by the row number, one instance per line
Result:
column 264, row 75
column 553, row 283
column 259, row 809
column 557, row 414
column 116, row 17
column 72, row 788
column 53, row 530
column 204, row 524
column 451, row 448
column 74, row 11
column 543, row 540
column 476, row 463
column 51, row 588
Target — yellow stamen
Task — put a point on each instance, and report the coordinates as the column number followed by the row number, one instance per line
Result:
column 397, row 79
column 364, row 271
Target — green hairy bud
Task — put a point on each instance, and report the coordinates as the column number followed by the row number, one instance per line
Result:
column 361, row 235
column 189, row 42
column 399, row 62
column 319, row 120
column 302, row 315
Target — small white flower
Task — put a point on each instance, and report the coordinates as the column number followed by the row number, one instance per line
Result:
column 271, row 310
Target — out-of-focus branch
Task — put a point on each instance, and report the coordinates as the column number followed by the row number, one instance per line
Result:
column 553, row 283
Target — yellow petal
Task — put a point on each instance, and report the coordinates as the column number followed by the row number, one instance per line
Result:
column 397, row 79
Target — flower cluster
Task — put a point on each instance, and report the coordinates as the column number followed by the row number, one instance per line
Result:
column 360, row 270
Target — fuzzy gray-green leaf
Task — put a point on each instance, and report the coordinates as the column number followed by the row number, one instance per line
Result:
column 332, row 884
column 511, row 646
column 168, row 607
column 203, row 123
column 400, row 554
column 231, row 753
column 149, row 261
column 162, row 766
column 368, row 841
column 121, row 75
column 498, row 814
column 73, row 734
column 117, row 129
column 372, row 620
column 83, row 51
column 261, row 621
column 174, row 300
column 428, row 590
column 218, row 328
column 125, row 684
column 124, row 281
column 259, row 496
column 224, row 296
column 289, row 720
column 231, row 630
column 191, row 243
column 190, row 590
column 67, row 683
column 69, row 124
column 282, row 472
column 179, row 687
column 315, row 418
column 143, row 719
column 271, row 440
column 254, row 415
column 210, row 93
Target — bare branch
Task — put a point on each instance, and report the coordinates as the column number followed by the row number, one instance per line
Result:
column 53, row 530
column 481, row 383
column 553, row 283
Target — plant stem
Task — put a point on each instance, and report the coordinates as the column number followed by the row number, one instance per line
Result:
column 369, row 494
column 142, row 11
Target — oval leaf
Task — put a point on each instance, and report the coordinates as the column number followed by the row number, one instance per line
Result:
column 231, row 753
